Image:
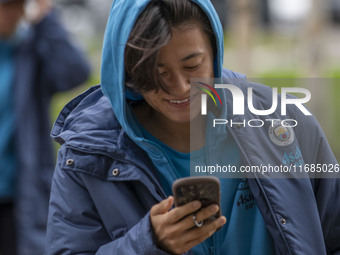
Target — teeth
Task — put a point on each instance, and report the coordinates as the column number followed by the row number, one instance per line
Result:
column 179, row 101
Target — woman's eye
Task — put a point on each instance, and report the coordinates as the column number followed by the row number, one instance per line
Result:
column 163, row 74
column 193, row 67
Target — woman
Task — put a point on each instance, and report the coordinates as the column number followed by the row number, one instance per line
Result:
column 111, row 192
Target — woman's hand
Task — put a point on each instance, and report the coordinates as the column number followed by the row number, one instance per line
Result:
column 175, row 229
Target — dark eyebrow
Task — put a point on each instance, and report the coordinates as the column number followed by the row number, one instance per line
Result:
column 192, row 55
column 195, row 54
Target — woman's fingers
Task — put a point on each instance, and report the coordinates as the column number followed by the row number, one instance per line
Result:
column 175, row 229
column 181, row 243
column 162, row 207
column 180, row 212
column 197, row 235
column 201, row 215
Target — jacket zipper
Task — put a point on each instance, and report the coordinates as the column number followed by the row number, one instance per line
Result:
column 260, row 186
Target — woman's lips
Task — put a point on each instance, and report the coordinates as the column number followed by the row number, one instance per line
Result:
column 180, row 101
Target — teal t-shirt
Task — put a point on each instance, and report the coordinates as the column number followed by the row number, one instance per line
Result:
column 245, row 231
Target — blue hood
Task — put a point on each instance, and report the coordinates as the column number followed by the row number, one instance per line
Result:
column 122, row 18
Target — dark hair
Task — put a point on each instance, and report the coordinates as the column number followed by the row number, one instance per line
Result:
column 151, row 32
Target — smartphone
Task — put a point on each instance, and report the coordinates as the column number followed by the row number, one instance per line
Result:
column 206, row 189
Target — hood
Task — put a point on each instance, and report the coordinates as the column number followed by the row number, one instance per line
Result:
column 122, row 18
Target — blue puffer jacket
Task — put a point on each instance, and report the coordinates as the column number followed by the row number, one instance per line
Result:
column 105, row 183
column 46, row 62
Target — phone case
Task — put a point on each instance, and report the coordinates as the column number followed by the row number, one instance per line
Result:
column 206, row 189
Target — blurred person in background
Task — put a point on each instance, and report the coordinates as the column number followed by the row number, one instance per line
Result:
column 37, row 59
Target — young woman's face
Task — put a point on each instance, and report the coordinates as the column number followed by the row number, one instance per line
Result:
column 188, row 55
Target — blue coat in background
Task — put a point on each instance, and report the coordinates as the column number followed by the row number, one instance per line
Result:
column 46, row 62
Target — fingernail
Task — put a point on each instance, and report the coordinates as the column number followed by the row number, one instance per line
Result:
column 222, row 221
column 196, row 204
column 213, row 208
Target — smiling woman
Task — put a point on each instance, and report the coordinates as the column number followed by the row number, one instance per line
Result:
column 160, row 69
column 126, row 142
column 153, row 30
column 188, row 54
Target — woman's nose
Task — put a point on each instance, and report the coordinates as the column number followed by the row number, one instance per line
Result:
column 179, row 84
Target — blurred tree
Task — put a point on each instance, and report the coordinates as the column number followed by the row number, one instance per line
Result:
column 316, row 26
column 242, row 17
column 322, row 104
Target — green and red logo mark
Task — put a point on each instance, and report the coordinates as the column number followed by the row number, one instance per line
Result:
column 204, row 96
column 209, row 93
